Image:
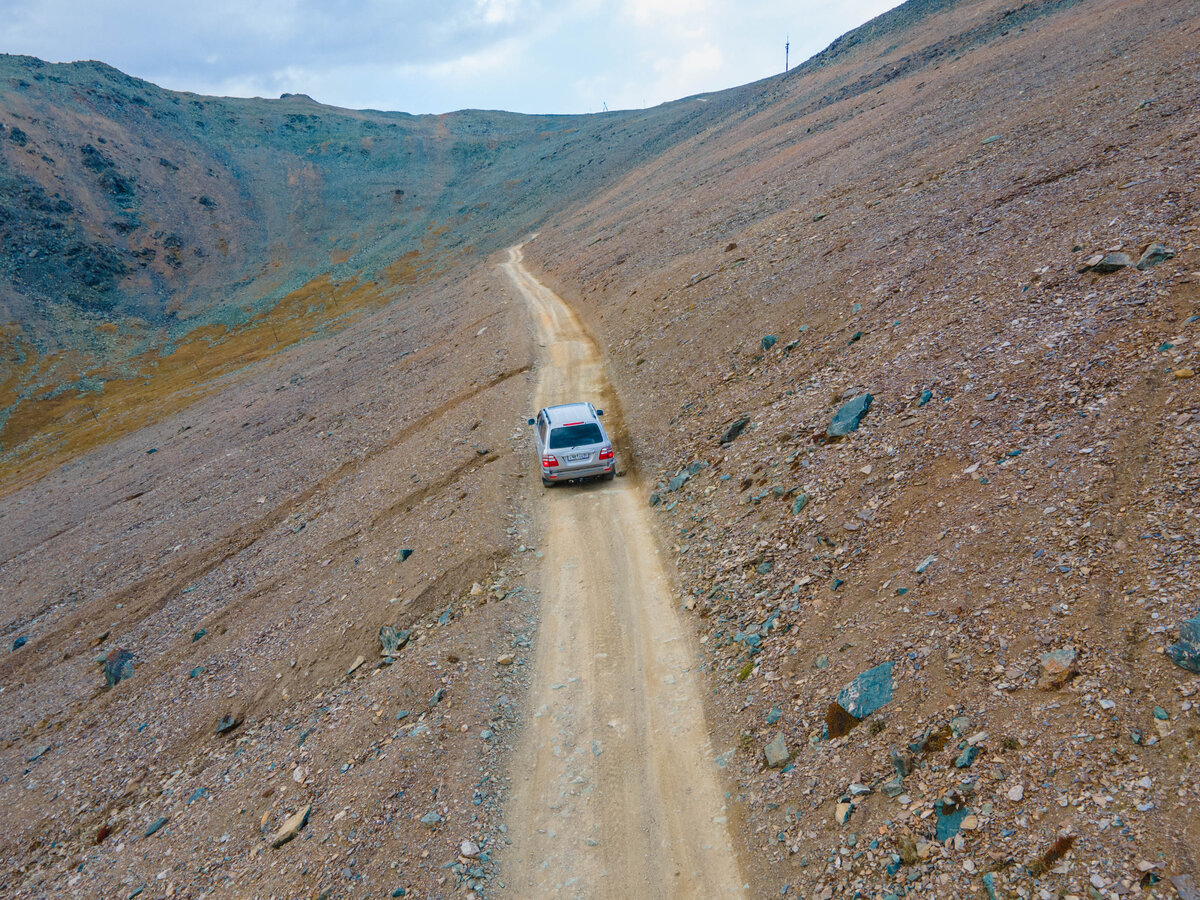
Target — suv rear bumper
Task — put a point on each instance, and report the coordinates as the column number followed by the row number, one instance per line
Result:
column 562, row 473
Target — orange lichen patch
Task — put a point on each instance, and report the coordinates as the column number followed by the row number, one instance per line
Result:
column 46, row 430
column 337, row 257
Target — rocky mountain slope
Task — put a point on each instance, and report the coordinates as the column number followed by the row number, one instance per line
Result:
column 219, row 453
column 986, row 241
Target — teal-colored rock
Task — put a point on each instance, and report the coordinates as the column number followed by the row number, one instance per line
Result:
column 822, row 662
column 196, row 635
column 431, row 819
column 990, row 140
column 118, row 666
column 849, row 416
column 989, row 885
column 774, row 715
column 392, row 640
column 655, row 499
column 949, row 819
column 1186, row 652
column 900, row 592
column 868, row 692
column 405, row 553
column 926, row 396
column 837, row 583
column 1155, row 254
column 678, row 481
column 768, row 341
column 966, row 758
column 925, row 564
column 799, row 503
column 765, row 568
column 1160, row 714
column 196, row 672
column 155, row 826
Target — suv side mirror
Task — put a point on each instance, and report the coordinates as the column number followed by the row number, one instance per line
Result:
column 530, row 422
column 599, row 412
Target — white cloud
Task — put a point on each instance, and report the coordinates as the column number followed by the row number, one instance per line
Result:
column 526, row 55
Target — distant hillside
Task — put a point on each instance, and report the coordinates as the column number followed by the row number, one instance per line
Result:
column 144, row 230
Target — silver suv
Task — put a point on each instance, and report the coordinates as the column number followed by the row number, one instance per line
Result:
column 571, row 443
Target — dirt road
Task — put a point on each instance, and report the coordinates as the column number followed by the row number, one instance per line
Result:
column 615, row 792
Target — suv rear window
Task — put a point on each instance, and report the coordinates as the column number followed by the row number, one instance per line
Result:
column 574, row 435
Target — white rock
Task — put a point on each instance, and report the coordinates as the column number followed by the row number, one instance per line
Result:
column 1017, row 793
column 469, row 849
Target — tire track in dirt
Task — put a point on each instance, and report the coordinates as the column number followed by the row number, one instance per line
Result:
column 615, row 790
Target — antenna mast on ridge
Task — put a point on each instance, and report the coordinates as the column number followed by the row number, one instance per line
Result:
column 786, row 45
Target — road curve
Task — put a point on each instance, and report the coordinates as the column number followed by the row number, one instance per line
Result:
column 615, row 792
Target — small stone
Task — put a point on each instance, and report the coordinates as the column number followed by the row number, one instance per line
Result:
column 405, row 552
column 1108, row 263
column 290, row 828
column 925, row 564
column 868, row 692
column 431, row 820
column 849, row 416
column 19, row 643
column 391, row 641
column 118, row 666
column 469, row 849
column 799, row 503
column 476, row 589
column 358, row 661
column 1186, row 652
column 764, row 568
column 966, row 758
column 1057, row 668
column 733, row 431
column 504, row 659
column 1153, row 255
column 228, row 722
column 1016, row 793
column 1161, row 714
column 768, row 341
column 154, row 826
column 951, row 814
column 776, row 752
column 1184, row 373
column 842, row 814
column 925, row 397
column 774, row 715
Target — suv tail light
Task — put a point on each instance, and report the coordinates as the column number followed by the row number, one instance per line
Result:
column 606, row 453
column 549, row 461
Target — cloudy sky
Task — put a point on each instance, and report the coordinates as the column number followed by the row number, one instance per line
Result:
column 536, row 56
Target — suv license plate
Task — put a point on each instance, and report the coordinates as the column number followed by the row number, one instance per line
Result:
column 578, row 457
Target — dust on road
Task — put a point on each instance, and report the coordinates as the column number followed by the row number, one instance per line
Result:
column 615, row 792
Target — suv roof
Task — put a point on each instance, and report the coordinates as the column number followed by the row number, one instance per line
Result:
column 570, row 412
